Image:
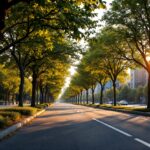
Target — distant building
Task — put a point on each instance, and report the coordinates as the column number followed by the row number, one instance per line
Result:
column 138, row 78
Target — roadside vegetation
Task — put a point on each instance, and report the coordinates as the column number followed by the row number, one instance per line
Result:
column 12, row 115
column 130, row 109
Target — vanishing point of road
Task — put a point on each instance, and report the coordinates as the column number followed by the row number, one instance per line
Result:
column 74, row 127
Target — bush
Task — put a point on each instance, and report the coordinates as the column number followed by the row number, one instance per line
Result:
column 44, row 105
column 14, row 116
column 2, row 122
column 105, row 105
column 142, row 109
column 27, row 111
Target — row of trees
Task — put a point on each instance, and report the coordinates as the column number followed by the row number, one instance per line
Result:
column 137, row 95
column 36, row 41
column 124, row 42
column 133, row 96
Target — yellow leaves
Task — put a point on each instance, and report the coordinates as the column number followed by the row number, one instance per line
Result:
column 28, row 86
column 43, row 33
column 97, row 3
column 36, row 5
column 66, row 10
column 102, row 6
column 9, row 79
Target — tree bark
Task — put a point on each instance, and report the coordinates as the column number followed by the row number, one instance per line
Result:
column 37, row 94
column 75, row 99
column 34, row 85
column 81, row 97
column 101, row 94
column 21, row 87
column 45, row 95
column 87, row 96
column 93, row 98
column 78, row 98
column 41, row 94
column 114, row 90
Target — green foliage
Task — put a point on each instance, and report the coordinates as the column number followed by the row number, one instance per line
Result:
column 9, row 79
column 138, row 95
column 44, row 105
column 37, row 40
column 27, row 111
column 14, row 116
column 142, row 109
column 124, row 93
column 130, row 21
column 34, row 18
column 2, row 122
column 108, row 95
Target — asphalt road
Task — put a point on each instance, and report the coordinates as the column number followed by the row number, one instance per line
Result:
column 72, row 127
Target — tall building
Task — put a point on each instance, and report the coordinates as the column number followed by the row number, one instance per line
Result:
column 138, row 77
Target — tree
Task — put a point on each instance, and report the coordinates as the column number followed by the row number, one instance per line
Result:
column 9, row 81
column 112, row 65
column 72, row 93
column 89, row 77
column 46, row 14
column 61, row 54
column 5, row 5
column 83, row 80
column 131, row 21
column 26, row 52
column 96, row 71
column 124, row 93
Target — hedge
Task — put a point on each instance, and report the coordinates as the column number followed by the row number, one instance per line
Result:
column 26, row 111
column 14, row 116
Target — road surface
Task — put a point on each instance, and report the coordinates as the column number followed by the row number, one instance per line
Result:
column 74, row 127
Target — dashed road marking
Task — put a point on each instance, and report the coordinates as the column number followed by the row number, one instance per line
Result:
column 142, row 142
column 118, row 130
column 122, row 132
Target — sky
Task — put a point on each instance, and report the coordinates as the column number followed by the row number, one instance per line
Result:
column 72, row 69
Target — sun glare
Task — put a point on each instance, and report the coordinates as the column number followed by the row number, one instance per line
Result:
column 148, row 58
column 72, row 71
column 83, row 43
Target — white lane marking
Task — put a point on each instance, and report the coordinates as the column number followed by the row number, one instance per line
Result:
column 142, row 142
column 118, row 130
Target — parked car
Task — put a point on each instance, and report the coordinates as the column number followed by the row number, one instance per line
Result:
column 123, row 102
column 110, row 102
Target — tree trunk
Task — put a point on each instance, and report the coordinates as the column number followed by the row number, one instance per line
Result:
column 34, row 85
column 41, row 94
column 78, row 98
column 114, row 90
column 37, row 94
column 45, row 95
column 87, row 96
column 5, row 98
column 8, row 97
column 21, row 87
column 101, row 94
column 93, row 98
column 81, row 97
column 148, row 94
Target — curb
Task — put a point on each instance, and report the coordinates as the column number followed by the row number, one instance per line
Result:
column 147, row 114
column 14, row 127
